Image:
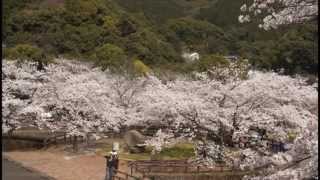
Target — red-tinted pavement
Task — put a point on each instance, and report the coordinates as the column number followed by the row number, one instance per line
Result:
column 13, row 171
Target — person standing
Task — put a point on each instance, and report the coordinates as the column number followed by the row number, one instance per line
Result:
column 112, row 164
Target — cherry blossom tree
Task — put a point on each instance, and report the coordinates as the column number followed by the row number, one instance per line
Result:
column 69, row 96
column 127, row 88
column 280, row 12
column 277, row 104
column 215, row 113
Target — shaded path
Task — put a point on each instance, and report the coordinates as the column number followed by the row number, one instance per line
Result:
column 13, row 171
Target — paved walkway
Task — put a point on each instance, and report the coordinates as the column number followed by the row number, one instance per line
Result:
column 13, row 171
column 62, row 166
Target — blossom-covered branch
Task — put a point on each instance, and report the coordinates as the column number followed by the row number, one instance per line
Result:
column 280, row 12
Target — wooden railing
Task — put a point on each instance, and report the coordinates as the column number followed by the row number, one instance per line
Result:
column 118, row 176
column 42, row 137
column 177, row 166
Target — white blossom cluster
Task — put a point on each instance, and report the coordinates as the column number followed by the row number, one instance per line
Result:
column 280, row 12
column 213, row 153
column 160, row 140
column 74, row 97
column 69, row 96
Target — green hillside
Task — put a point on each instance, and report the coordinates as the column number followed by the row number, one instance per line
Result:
column 156, row 32
column 161, row 11
column 190, row 26
column 79, row 27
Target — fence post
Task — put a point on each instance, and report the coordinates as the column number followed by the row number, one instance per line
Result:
column 65, row 138
column 75, row 143
column 87, row 139
column 45, row 143
column 55, row 140
column 135, row 167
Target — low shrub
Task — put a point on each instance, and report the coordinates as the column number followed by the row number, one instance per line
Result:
column 109, row 56
column 209, row 61
column 26, row 52
column 140, row 68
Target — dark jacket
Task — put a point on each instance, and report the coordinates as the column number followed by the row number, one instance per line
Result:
column 112, row 162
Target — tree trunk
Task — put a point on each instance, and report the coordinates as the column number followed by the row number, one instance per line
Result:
column 75, row 143
column 87, row 140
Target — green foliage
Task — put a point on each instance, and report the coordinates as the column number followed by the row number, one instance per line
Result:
column 81, row 39
column 152, row 50
column 109, row 56
column 196, row 34
column 78, row 28
column 297, row 54
column 209, row 61
column 154, row 10
column 25, row 52
column 296, row 51
column 78, row 11
column 290, row 48
column 110, row 24
column 140, row 68
column 261, row 54
column 38, row 27
column 222, row 13
column 10, row 7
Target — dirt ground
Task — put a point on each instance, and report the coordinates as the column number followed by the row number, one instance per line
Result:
column 62, row 165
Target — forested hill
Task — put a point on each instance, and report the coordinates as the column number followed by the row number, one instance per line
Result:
column 114, row 32
column 160, row 11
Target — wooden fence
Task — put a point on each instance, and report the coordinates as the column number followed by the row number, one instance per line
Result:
column 159, row 168
column 43, row 138
column 119, row 175
column 177, row 166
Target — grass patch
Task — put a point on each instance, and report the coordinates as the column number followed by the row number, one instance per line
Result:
column 140, row 156
column 178, row 151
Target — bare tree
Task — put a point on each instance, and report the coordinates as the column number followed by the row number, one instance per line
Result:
column 127, row 88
